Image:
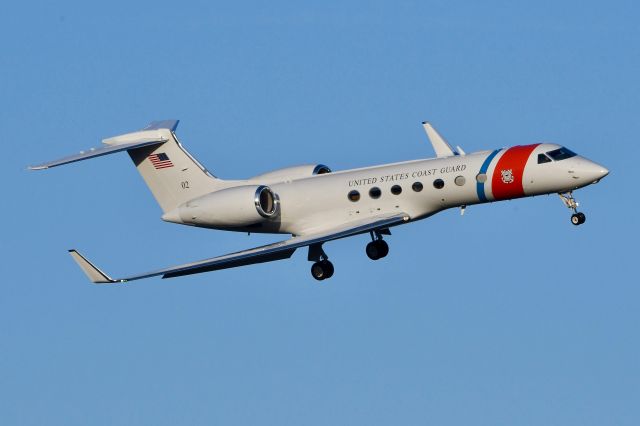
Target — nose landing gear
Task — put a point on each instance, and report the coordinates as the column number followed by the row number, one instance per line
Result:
column 577, row 218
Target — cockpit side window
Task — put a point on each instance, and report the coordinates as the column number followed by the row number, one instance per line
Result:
column 561, row 154
column 542, row 158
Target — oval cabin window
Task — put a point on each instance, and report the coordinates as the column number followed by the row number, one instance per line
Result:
column 375, row 192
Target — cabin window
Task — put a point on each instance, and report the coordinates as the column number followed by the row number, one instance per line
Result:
column 417, row 186
column 542, row 158
column 438, row 184
column 481, row 177
column 375, row 192
column 353, row 196
column 459, row 180
column 396, row 189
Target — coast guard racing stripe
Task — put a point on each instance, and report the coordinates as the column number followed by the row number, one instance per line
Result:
column 483, row 171
column 507, row 175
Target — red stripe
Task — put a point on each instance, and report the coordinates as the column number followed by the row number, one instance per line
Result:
column 510, row 185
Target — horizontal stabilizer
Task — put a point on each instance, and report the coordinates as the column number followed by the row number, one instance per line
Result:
column 155, row 133
column 95, row 152
column 440, row 146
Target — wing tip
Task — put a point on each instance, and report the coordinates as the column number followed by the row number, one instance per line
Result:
column 91, row 271
column 38, row 167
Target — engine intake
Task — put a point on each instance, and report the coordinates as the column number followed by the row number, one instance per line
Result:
column 267, row 202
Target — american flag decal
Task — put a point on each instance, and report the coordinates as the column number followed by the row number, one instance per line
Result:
column 160, row 161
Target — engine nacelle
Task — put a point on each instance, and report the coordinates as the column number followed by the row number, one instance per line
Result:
column 233, row 207
column 291, row 173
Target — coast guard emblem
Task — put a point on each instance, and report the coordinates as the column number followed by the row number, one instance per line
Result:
column 507, row 176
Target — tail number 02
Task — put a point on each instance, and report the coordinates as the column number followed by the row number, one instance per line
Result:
column 184, row 184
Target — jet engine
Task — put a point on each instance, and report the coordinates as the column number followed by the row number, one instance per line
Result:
column 239, row 206
column 291, row 173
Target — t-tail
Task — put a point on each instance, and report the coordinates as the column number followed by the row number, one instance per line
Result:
column 171, row 173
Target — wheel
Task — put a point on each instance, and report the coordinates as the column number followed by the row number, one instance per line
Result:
column 578, row 218
column 377, row 249
column 328, row 269
column 373, row 250
column 575, row 219
column 383, row 247
column 322, row 270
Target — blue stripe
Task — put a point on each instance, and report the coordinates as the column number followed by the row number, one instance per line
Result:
column 483, row 170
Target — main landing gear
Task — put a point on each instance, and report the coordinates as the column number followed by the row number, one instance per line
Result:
column 323, row 269
column 377, row 248
column 577, row 218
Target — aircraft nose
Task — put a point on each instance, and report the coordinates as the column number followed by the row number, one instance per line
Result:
column 594, row 172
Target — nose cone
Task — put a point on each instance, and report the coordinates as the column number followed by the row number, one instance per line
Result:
column 593, row 172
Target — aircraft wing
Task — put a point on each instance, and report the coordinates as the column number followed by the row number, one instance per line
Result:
column 276, row 251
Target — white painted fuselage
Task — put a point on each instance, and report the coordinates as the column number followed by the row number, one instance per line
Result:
column 419, row 188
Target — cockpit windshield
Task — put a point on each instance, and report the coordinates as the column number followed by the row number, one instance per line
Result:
column 561, row 154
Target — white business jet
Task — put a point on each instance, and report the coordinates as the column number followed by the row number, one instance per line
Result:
column 316, row 205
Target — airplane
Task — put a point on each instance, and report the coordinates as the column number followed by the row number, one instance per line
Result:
column 316, row 205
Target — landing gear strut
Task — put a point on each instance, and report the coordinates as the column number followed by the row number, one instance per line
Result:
column 577, row 218
column 377, row 248
column 322, row 268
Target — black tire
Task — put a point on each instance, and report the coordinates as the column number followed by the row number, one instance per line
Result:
column 322, row 270
column 582, row 218
column 328, row 269
column 575, row 219
column 373, row 250
column 317, row 271
column 383, row 248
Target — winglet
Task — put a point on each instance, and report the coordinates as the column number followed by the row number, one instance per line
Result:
column 440, row 146
column 94, row 274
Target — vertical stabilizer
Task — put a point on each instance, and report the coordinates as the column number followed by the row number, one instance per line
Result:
column 171, row 173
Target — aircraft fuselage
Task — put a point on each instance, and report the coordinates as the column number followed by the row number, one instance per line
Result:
column 419, row 188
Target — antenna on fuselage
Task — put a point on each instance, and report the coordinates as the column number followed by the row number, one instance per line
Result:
column 440, row 145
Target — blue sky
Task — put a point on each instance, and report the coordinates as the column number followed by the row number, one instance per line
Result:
column 508, row 315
